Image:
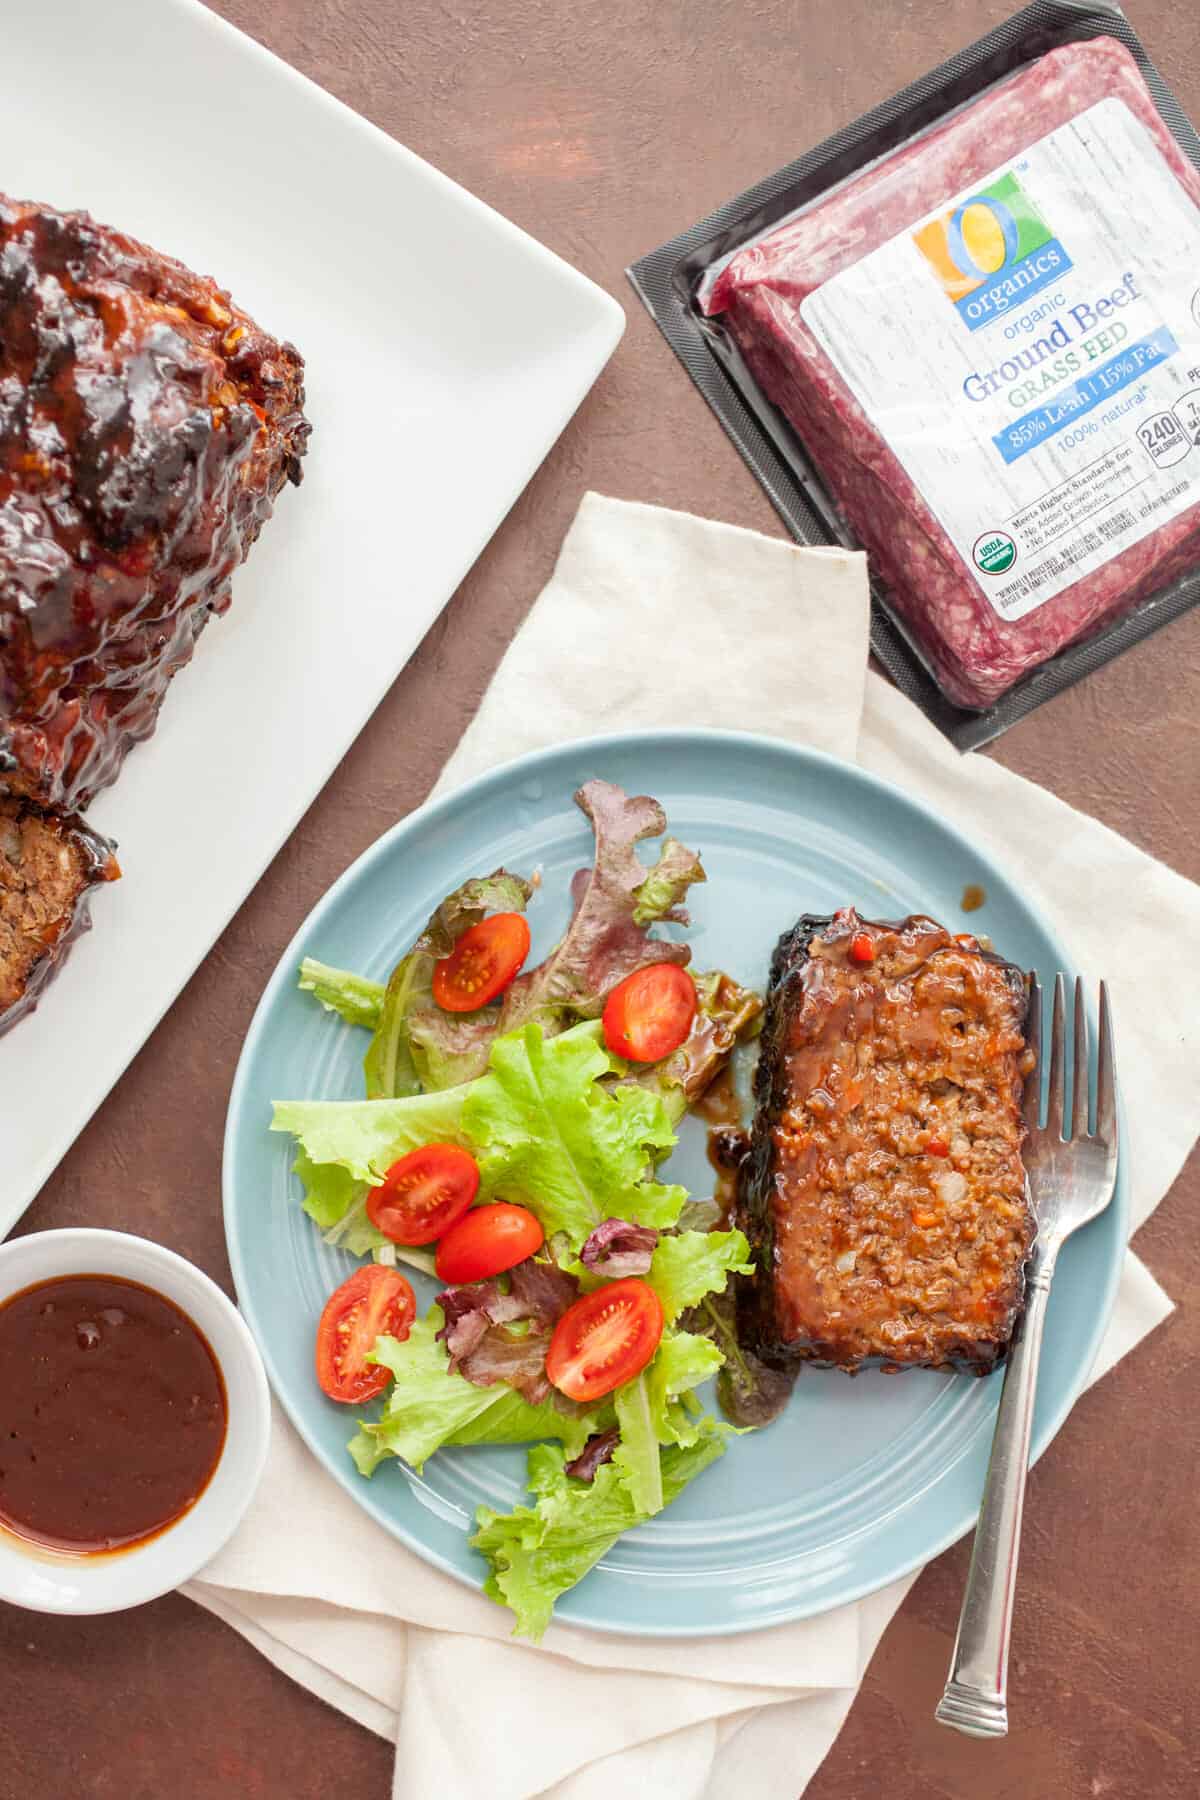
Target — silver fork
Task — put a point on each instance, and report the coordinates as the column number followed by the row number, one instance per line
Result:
column 1071, row 1179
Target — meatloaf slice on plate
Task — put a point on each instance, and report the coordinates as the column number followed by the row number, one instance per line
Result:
column 48, row 866
column 885, row 1195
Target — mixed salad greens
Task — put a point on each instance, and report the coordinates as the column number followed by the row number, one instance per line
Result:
column 509, row 1142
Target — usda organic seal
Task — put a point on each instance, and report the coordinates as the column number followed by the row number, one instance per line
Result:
column 994, row 552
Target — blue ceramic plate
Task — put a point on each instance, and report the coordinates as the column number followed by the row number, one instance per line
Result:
column 860, row 1480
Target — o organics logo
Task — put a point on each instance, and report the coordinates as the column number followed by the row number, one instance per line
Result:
column 994, row 552
column 991, row 252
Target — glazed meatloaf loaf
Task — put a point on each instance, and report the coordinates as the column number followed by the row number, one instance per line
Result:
column 884, row 1193
column 48, row 866
column 146, row 426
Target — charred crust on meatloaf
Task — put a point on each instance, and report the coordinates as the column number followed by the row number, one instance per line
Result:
column 872, row 1248
column 146, row 426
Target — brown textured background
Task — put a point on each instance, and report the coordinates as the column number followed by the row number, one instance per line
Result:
column 603, row 129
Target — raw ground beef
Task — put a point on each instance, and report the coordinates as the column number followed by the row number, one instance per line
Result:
column 973, row 653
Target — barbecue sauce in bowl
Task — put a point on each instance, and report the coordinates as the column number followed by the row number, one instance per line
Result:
column 112, row 1414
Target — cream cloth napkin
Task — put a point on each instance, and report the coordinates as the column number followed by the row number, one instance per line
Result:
column 768, row 637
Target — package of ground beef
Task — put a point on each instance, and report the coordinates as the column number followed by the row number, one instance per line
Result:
column 979, row 350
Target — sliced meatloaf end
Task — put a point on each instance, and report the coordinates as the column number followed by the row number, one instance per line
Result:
column 885, row 1195
column 48, row 866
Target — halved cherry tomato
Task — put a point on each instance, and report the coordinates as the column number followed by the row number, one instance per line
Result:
column 488, row 1240
column 424, row 1194
column 375, row 1302
column 650, row 1013
column 482, row 963
column 605, row 1339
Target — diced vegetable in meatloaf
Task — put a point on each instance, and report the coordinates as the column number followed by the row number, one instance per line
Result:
column 885, row 1195
column 48, row 864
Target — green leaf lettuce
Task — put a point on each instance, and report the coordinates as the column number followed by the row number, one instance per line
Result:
column 537, row 1552
column 649, row 1414
column 687, row 1265
column 543, row 1125
column 428, row 1406
column 417, row 1045
column 358, row 1001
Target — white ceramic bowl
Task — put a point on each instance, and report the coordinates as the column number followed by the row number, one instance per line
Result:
column 98, row 1584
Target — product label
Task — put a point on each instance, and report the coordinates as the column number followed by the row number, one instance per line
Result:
column 1031, row 354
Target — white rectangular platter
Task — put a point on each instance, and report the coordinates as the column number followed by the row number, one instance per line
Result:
column 446, row 350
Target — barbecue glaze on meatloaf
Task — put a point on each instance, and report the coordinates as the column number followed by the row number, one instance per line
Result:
column 146, row 426
column 48, row 866
column 884, row 1194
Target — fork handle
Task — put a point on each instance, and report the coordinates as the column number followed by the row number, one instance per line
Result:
column 975, row 1700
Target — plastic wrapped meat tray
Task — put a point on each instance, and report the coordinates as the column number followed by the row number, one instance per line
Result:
column 963, row 333
column 949, row 587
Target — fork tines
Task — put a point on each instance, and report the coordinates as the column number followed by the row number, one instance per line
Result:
column 1105, row 1128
